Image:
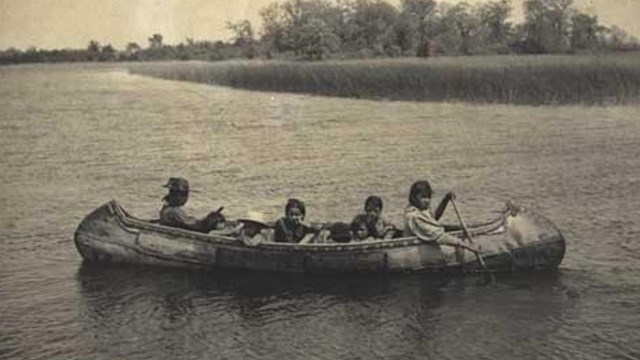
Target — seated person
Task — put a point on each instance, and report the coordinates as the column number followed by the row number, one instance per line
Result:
column 291, row 228
column 360, row 228
column 421, row 223
column 253, row 229
column 173, row 215
column 379, row 227
column 342, row 233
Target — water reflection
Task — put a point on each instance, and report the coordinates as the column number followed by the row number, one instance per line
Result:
column 252, row 315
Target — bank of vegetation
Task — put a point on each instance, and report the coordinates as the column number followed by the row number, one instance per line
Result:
column 536, row 79
column 323, row 29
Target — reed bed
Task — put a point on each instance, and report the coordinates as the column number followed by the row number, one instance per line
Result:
column 571, row 79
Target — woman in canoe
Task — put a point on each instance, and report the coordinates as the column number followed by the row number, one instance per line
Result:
column 291, row 228
column 423, row 224
column 173, row 215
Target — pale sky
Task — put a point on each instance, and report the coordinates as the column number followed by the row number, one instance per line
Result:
column 52, row 24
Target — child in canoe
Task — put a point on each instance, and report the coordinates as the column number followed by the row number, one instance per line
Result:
column 357, row 231
column 379, row 227
column 422, row 223
column 291, row 228
column 360, row 229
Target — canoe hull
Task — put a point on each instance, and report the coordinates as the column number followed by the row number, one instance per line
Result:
column 518, row 241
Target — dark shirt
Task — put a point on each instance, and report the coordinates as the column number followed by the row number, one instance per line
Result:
column 290, row 232
column 174, row 216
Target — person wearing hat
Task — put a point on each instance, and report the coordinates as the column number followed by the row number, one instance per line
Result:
column 173, row 215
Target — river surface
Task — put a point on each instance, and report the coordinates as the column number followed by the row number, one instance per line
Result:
column 72, row 137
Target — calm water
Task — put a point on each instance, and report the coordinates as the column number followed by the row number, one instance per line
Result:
column 73, row 137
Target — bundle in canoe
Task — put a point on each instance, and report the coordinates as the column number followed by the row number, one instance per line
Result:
column 516, row 240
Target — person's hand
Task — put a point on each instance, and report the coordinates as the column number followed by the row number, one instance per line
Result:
column 389, row 229
column 471, row 247
column 450, row 195
column 314, row 227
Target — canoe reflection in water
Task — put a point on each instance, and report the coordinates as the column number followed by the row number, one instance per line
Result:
column 177, row 313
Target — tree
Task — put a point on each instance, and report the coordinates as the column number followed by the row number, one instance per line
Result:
column 274, row 27
column 290, row 26
column 495, row 27
column 132, row 48
column 617, row 38
column 155, row 41
column 108, row 53
column 243, row 37
column 462, row 27
column 547, row 24
column 93, row 50
column 11, row 55
column 132, row 51
column 242, row 33
column 584, row 31
column 315, row 40
column 418, row 15
column 370, row 24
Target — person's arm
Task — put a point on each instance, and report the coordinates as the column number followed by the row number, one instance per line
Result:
column 199, row 225
column 307, row 239
column 427, row 229
column 176, row 217
column 443, row 205
column 388, row 229
column 449, row 227
column 311, row 228
column 230, row 231
column 450, row 240
column 279, row 232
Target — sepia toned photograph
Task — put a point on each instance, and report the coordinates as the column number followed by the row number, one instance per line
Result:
column 319, row 179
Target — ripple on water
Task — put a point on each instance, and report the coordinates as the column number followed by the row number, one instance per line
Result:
column 73, row 138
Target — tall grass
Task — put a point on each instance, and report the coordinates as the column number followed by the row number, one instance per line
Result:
column 588, row 79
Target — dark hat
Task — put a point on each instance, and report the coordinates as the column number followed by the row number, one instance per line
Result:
column 339, row 232
column 177, row 184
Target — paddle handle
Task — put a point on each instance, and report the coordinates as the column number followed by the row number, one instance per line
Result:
column 468, row 234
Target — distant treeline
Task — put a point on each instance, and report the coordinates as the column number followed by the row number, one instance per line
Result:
column 191, row 50
column 319, row 29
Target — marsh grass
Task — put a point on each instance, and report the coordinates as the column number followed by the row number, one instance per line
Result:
column 587, row 79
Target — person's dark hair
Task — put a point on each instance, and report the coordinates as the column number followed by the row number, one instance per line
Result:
column 419, row 188
column 358, row 221
column 373, row 202
column 339, row 232
column 295, row 203
column 213, row 219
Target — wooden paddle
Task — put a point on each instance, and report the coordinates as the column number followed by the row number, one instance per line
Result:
column 468, row 234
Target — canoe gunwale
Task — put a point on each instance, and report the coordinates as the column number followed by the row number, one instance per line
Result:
column 134, row 225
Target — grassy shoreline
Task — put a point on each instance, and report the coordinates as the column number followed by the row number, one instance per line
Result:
column 533, row 80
